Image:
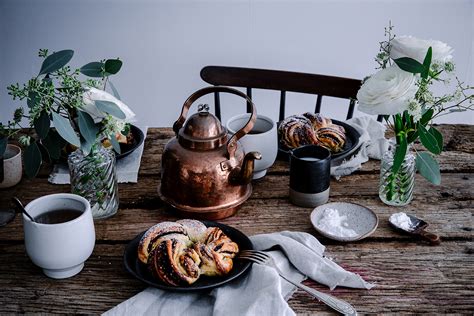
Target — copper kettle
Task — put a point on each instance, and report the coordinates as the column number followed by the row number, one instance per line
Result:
column 204, row 173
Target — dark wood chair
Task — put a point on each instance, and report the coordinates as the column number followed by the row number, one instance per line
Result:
column 282, row 81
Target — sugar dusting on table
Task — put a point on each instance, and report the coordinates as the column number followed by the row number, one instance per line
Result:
column 335, row 224
column 401, row 220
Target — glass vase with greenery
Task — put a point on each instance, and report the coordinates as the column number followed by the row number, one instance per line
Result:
column 402, row 91
column 67, row 113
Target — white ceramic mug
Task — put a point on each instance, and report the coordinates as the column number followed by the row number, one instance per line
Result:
column 262, row 138
column 12, row 169
column 59, row 249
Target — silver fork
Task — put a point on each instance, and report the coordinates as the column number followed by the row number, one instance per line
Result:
column 265, row 259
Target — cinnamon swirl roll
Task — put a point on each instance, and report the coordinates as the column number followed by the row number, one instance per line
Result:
column 174, row 263
column 296, row 131
column 177, row 253
column 332, row 137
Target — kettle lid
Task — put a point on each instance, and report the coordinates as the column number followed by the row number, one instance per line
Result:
column 202, row 131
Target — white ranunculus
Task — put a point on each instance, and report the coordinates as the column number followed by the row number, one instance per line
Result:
column 387, row 92
column 409, row 46
column 93, row 94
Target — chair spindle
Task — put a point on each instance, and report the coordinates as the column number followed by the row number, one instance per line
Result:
column 282, row 105
column 318, row 104
column 217, row 105
column 350, row 112
column 249, row 94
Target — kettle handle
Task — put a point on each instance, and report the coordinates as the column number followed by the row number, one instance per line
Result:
column 231, row 144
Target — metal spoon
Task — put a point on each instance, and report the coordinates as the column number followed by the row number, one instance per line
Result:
column 20, row 206
column 417, row 227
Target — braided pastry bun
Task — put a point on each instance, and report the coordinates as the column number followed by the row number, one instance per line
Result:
column 158, row 233
column 177, row 253
column 174, row 263
column 332, row 137
column 311, row 129
column 216, row 252
column 296, row 131
column 317, row 120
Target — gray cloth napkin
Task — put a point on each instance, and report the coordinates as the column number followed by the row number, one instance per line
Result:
column 260, row 292
column 127, row 167
column 373, row 145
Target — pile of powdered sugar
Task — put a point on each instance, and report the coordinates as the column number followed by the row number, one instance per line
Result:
column 401, row 220
column 335, row 224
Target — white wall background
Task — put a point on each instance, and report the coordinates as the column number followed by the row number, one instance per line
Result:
column 164, row 44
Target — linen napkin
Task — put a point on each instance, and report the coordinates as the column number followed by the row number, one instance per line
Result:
column 127, row 167
column 261, row 292
column 374, row 144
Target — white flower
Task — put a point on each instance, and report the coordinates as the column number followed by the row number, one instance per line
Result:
column 409, row 46
column 414, row 109
column 93, row 94
column 387, row 92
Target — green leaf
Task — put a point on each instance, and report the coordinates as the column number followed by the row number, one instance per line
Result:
column 112, row 66
column 42, row 124
column 86, row 146
column 410, row 65
column 426, row 117
column 114, row 90
column 412, row 136
column 437, row 135
column 93, row 69
column 33, row 99
column 428, row 167
column 32, row 160
column 56, row 61
column 428, row 140
column 427, row 63
column 3, row 145
column 110, row 108
column 400, row 153
column 64, row 128
column 115, row 144
column 87, row 127
column 45, row 156
column 54, row 143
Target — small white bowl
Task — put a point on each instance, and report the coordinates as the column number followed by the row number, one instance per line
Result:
column 359, row 218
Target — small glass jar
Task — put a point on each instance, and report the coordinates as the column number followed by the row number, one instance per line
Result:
column 94, row 177
column 396, row 189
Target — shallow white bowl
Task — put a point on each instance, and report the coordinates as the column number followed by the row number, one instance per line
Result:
column 359, row 218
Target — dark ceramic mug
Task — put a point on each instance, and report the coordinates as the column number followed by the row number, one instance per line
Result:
column 310, row 173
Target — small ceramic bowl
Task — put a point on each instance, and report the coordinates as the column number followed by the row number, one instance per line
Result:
column 359, row 218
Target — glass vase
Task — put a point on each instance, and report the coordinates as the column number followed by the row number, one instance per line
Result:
column 94, row 177
column 396, row 189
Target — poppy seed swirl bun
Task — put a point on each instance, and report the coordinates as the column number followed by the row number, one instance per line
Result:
column 311, row 129
column 177, row 253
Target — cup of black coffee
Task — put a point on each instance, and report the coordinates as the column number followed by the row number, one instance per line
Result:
column 62, row 236
column 310, row 173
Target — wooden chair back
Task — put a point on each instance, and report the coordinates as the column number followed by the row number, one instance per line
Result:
column 283, row 81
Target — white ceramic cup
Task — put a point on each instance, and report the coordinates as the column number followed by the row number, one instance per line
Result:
column 12, row 169
column 262, row 138
column 59, row 249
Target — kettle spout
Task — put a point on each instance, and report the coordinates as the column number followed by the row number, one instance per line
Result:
column 244, row 174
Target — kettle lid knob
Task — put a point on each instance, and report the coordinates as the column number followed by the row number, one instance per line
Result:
column 202, row 131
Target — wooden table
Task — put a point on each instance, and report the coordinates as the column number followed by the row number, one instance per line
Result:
column 411, row 276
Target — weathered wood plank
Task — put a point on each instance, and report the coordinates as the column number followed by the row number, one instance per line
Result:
column 454, row 186
column 451, row 219
column 410, row 278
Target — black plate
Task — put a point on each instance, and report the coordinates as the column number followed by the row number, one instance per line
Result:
column 127, row 149
column 352, row 141
column 141, row 272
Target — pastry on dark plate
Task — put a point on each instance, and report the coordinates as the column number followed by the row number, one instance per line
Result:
column 178, row 253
